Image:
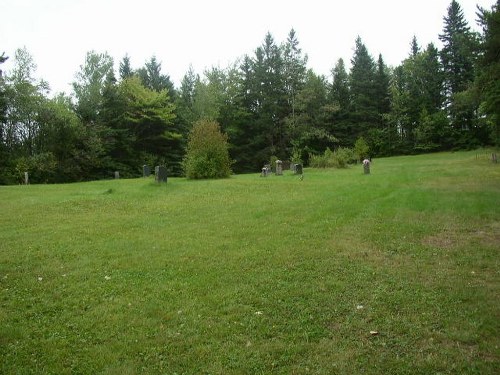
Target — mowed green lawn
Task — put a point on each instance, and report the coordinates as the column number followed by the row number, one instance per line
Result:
column 397, row 272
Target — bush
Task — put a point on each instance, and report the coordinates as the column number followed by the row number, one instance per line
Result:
column 41, row 168
column 207, row 152
column 361, row 149
column 339, row 158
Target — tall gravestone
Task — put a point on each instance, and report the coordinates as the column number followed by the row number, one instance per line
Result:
column 366, row 166
column 26, row 178
column 117, row 175
column 145, row 170
column 160, row 173
column 279, row 168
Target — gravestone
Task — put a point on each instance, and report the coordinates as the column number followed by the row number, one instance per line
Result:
column 279, row 168
column 160, row 173
column 26, row 178
column 494, row 158
column 117, row 175
column 266, row 170
column 366, row 166
column 298, row 168
column 146, row 171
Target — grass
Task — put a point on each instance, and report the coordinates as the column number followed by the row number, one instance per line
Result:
column 253, row 275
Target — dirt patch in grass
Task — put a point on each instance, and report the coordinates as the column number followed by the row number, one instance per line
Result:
column 488, row 236
column 443, row 240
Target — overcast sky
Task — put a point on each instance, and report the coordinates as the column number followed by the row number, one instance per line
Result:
column 58, row 33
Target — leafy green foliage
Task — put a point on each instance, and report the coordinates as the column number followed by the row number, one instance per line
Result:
column 207, row 152
column 340, row 158
column 268, row 103
column 361, row 149
column 488, row 79
column 458, row 57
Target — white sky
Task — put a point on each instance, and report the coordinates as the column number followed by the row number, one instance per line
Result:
column 58, row 33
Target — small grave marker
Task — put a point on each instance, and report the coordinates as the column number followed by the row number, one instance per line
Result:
column 366, row 166
column 146, row 171
column 117, row 175
column 160, row 173
column 279, row 168
column 298, row 168
column 266, row 170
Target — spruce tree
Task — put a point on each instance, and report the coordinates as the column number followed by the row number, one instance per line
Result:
column 364, row 110
column 125, row 68
column 340, row 103
column 488, row 79
column 458, row 58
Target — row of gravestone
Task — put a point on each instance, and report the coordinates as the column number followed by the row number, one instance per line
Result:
column 266, row 170
column 160, row 173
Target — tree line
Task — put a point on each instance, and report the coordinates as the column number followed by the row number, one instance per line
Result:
column 269, row 104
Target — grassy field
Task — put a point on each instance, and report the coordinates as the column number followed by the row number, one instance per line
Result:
column 396, row 272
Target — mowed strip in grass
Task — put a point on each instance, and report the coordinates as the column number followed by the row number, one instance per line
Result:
column 341, row 272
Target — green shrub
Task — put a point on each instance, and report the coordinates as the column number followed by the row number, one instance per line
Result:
column 207, row 152
column 339, row 158
column 41, row 168
column 361, row 149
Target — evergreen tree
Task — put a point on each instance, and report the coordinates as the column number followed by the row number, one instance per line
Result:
column 270, row 104
column 488, row 79
column 338, row 107
column 415, row 48
column 364, row 108
column 153, row 79
column 382, row 81
column 125, row 68
column 185, row 100
column 4, row 154
column 149, row 117
column 89, row 85
column 339, row 92
column 458, row 58
column 294, row 71
column 311, row 133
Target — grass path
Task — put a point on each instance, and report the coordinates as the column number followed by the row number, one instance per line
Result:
column 253, row 275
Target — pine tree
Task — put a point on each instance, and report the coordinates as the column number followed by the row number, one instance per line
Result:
column 294, row 71
column 382, row 80
column 125, row 68
column 152, row 77
column 185, row 100
column 488, row 79
column 458, row 58
column 339, row 101
column 364, row 110
column 89, row 85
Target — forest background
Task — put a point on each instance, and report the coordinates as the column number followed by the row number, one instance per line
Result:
column 268, row 103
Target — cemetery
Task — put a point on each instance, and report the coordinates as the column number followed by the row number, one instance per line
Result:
column 338, row 273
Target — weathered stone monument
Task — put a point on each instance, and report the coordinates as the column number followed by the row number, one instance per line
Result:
column 160, row 173
column 26, row 178
column 279, row 168
column 266, row 170
column 297, row 168
column 146, row 171
column 117, row 175
column 366, row 166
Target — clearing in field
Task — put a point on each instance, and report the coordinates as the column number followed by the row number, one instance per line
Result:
column 341, row 272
